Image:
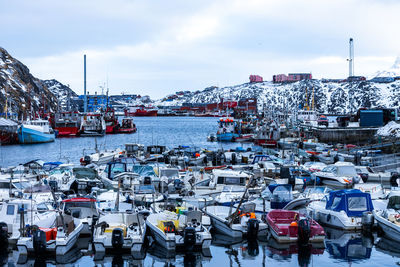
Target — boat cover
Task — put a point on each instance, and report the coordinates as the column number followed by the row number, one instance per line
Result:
column 352, row 201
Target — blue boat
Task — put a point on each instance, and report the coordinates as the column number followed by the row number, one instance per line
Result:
column 227, row 130
column 37, row 131
column 227, row 137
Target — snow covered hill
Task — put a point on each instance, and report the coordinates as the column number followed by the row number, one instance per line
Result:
column 23, row 91
column 60, row 91
column 330, row 97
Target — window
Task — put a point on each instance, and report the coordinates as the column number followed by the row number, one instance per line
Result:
column 357, row 203
column 336, row 202
column 42, row 207
column 10, row 209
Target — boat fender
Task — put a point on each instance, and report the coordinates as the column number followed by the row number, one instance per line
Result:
column 3, row 234
column 189, row 237
column 39, row 242
column 304, row 231
column 328, row 218
column 117, row 238
column 252, row 229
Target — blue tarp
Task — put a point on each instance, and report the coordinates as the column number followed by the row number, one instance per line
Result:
column 352, row 201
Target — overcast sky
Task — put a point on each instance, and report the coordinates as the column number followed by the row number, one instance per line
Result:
column 159, row 47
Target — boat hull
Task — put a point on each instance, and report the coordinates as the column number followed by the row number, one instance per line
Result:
column 67, row 131
column 29, row 136
column 390, row 230
column 227, row 137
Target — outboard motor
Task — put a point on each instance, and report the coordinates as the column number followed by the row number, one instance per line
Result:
column 233, row 159
column 147, row 180
column 252, row 229
column 304, row 231
column 39, row 242
column 117, row 238
column 393, row 179
column 189, row 237
column 53, row 185
column 86, row 160
column 3, row 235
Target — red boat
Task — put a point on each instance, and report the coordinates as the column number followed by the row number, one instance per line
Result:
column 112, row 124
column 66, row 123
column 289, row 226
column 141, row 111
column 127, row 126
column 8, row 132
column 266, row 142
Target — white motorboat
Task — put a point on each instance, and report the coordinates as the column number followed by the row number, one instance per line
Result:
column 81, row 208
column 310, row 194
column 389, row 219
column 15, row 214
column 339, row 175
column 371, row 176
column 343, row 209
column 242, row 224
column 175, row 231
column 220, row 178
column 230, row 194
column 120, row 231
column 60, row 238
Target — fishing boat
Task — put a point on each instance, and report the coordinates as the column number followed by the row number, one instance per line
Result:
column 92, row 124
column 8, row 131
column 35, row 131
column 66, row 123
column 119, row 231
column 389, row 219
column 343, row 209
column 290, row 226
column 59, row 239
column 141, row 111
column 112, row 124
column 127, row 126
column 227, row 130
column 179, row 231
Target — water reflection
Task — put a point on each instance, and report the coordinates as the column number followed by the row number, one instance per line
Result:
column 157, row 254
column 284, row 251
column 348, row 246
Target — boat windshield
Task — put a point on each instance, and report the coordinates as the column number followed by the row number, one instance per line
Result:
column 79, row 204
column 21, row 185
column 145, row 189
column 347, row 171
column 169, row 173
column 233, row 189
column 357, row 203
column 282, row 193
column 231, row 180
column 145, row 170
column 59, row 171
column 394, row 203
column 85, row 173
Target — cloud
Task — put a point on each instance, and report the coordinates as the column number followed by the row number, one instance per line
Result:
column 160, row 47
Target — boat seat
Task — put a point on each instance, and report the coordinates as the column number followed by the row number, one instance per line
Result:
column 283, row 224
column 68, row 223
column 393, row 219
column 110, row 229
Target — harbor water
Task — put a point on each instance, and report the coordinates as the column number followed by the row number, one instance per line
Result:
column 339, row 249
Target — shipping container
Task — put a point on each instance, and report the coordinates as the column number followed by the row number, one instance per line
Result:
column 371, row 118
